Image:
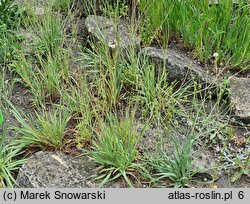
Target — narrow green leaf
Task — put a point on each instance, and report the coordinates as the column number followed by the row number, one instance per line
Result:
column 1, row 117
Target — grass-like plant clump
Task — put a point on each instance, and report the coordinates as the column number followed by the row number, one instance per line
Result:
column 9, row 164
column 115, row 150
column 178, row 166
column 45, row 130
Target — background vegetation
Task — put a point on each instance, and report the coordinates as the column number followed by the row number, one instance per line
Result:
column 202, row 26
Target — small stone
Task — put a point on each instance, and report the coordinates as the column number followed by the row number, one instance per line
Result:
column 215, row 55
column 39, row 11
column 240, row 98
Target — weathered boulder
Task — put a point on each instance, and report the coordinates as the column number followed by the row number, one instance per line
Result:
column 58, row 170
column 55, row 169
column 178, row 66
column 115, row 33
column 240, row 98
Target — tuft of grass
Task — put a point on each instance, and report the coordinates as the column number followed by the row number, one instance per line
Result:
column 106, row 71
column 45, row 68
column 8, row 163
column 115, row 149
column 78, row 100
column 49, row 33
column 54, row 72
column 8, row 154
column 24, row 69
column 153, row 91
column 44, row 79
column 178, row 166
column 45, row 130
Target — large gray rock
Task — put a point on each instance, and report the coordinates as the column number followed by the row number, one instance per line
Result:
column 115, row 33
column 55, row 169
column 178, row 66
column 58, row 170
column 240, row 98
